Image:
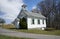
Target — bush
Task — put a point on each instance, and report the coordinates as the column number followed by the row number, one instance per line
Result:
column 49, row 29
column 23, row 23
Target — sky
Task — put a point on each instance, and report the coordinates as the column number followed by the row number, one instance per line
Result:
column 9, row 9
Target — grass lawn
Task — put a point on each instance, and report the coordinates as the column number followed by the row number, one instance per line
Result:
column 7, row 26
column 36, row 31
column 8, row 37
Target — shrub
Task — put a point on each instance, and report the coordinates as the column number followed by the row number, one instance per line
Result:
column 23, row 23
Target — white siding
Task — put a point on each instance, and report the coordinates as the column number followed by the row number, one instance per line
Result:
column 35, row 25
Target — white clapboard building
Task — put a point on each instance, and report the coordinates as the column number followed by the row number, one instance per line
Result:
column 34, row 20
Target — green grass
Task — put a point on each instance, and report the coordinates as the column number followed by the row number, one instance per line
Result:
column 36, row 31
column 8, row 37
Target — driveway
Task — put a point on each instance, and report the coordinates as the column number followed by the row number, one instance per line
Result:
column 27, row 35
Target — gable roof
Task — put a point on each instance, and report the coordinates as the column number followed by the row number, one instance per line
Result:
column 32, row 14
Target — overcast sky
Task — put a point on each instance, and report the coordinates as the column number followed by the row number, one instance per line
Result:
column 9, row 9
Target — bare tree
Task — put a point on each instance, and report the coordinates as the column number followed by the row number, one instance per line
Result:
column 51, row 10
column 2, row 21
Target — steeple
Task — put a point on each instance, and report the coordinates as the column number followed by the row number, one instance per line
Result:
column 24, row 7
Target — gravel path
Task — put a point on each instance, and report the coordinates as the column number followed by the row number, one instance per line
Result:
column 27, row 35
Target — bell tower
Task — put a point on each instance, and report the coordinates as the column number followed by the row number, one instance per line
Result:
column 24, row 7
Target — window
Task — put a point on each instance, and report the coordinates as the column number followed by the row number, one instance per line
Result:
column 32, row 21
column 38, row 21
column 43, row 21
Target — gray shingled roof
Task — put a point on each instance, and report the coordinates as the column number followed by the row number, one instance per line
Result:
column 32, row 14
